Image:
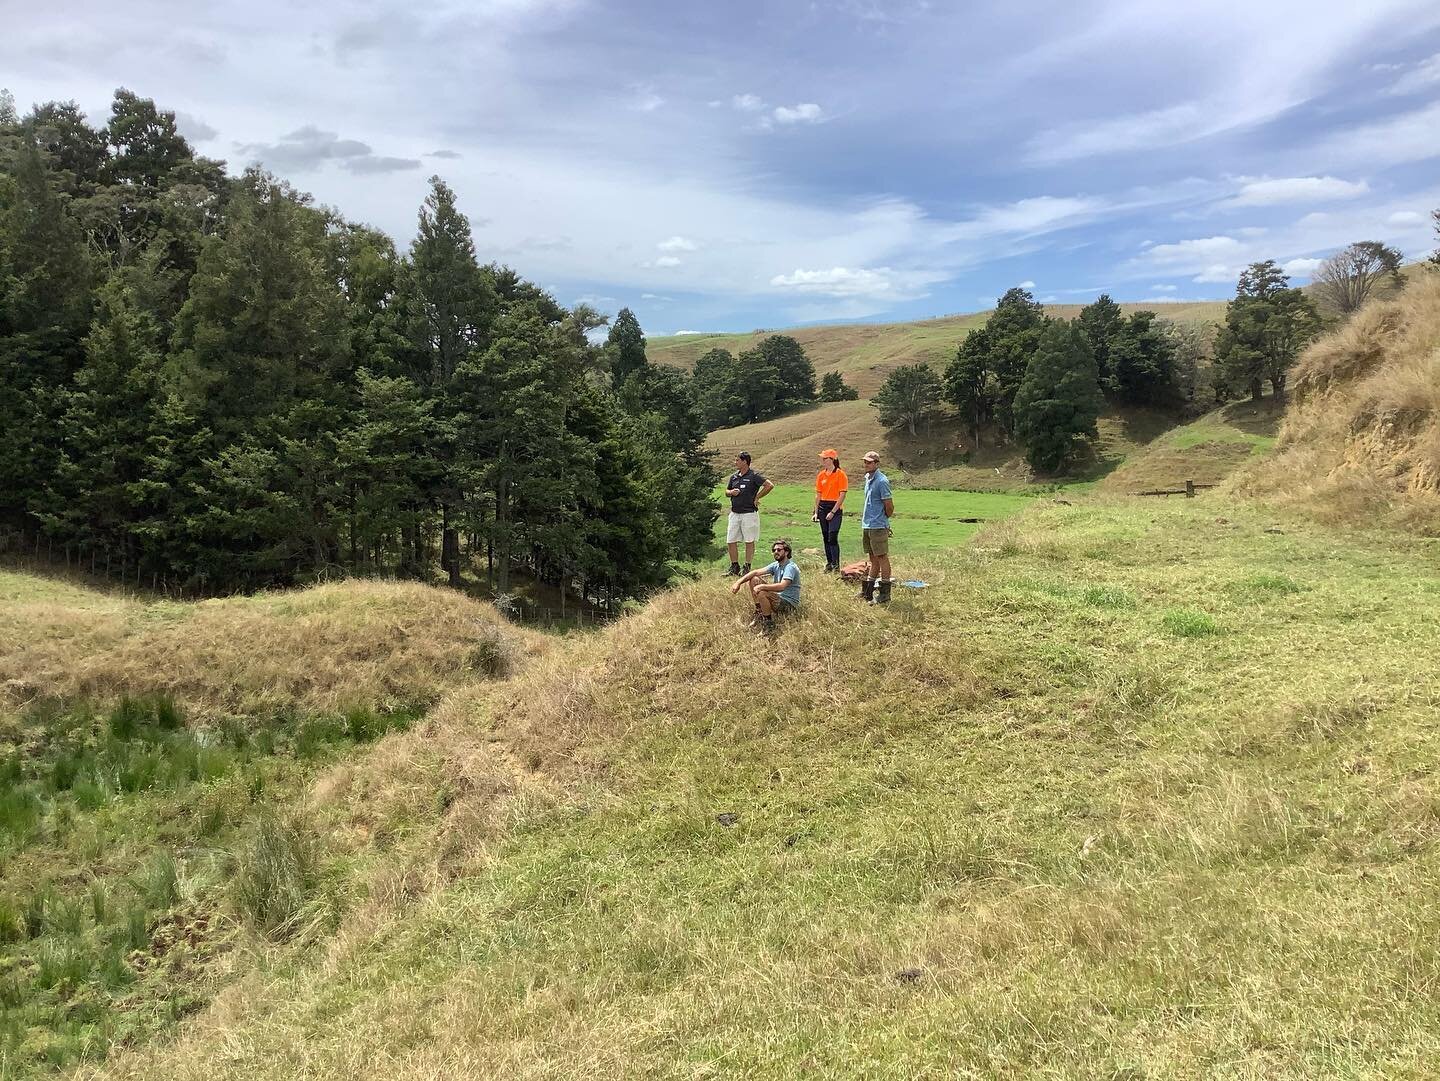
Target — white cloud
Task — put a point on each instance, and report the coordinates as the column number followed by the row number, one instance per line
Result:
column 1186, row 254
column 1420, row 77
column 1162, row 289
column 656, row 297
column 1027, row 285
column 808, row 113
column 1216, row 273
column 1298, row 246
column 1301, row 268
column 649, row 101
column 1392, row 141
column 677, row 243
column 747, row 103
column 667, row 261
column 1241, row 66
column 683, row 333
column 882, row 282
column 1295, row 189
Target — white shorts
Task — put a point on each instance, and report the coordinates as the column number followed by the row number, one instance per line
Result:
column 743, row 527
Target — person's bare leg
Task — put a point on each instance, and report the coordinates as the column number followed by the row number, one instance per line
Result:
column 749, row 553
column 734, row 552
column 882, row 567
column 765, row 601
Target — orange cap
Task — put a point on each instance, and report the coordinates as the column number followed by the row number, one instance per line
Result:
column 829, row 452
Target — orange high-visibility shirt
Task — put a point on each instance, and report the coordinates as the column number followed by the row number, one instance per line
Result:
column 828, row 486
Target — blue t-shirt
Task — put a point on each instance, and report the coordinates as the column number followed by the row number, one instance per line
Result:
column 790, row 575
column 877, row 490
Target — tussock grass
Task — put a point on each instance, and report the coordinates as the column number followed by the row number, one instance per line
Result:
column 1361, row 441
column 324, row 649
column 1011, row 826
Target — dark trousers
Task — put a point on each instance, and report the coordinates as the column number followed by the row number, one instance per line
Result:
column 830, row 532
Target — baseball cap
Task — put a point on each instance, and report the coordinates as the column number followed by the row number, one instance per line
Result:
column 829, row 452
column 871, row 456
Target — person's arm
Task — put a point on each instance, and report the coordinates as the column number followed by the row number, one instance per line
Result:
column 764, row 491
column 815, row 514
column 889, row 507
column 839, row 502
column 745, row 578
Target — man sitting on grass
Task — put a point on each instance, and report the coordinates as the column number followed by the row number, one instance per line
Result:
column 776, row 588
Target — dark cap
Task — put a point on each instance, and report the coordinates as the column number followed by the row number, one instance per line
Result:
column 744, row 455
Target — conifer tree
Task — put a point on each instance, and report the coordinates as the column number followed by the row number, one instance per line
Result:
column 625, row 346
column 1059, row 399
column 1102, row 321
column 45, row 302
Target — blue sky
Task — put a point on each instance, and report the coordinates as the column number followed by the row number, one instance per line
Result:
column 741, row 165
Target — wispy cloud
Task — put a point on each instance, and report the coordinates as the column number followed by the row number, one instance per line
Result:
column 1419, row 78
column 1295, row 189
column 1394, row 140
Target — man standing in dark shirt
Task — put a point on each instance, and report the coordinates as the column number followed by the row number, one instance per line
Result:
column 745, row 488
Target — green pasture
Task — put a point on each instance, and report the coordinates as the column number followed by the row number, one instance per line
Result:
column 925, row 520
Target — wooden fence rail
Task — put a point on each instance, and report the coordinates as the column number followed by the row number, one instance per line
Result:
column 1188, row 491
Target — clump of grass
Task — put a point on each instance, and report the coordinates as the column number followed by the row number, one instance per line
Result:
column 1108, row 597
column 1189, row 623
column 1262, row 585
column 33, row 916
column 12, row 921
column 159, row 882
column 277, row 877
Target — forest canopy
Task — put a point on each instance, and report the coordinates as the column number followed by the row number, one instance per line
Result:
column 212, row 383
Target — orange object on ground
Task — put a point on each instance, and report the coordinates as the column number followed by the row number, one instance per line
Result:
column 829, row 485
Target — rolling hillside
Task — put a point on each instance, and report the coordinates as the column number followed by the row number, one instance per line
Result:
column 864, row 352
column 1132, row 790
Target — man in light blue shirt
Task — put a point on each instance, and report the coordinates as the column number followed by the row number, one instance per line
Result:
column 776, row 588
column 875, row 533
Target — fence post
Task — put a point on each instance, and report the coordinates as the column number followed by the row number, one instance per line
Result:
column 1189, row 489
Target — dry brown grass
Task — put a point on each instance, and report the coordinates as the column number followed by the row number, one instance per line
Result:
column 325, row 648
column 1361, row 440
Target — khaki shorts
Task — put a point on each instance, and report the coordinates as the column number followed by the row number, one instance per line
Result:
column 743, row 527
column 875, row 542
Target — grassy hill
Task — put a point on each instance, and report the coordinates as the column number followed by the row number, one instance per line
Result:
column 786, row 449
column 1361, row 442
column 1132, row 790
column 1206, row 450
column 864, row 353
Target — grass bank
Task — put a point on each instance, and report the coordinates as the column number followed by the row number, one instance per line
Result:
column 1131, row 791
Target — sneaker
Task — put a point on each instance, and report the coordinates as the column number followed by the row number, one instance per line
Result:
column 747, row 569
column 734, row 571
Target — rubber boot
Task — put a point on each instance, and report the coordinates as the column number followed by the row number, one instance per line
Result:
column 884, row 596
column 867, row 591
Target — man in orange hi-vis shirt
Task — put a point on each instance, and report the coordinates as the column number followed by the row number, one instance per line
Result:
column 831, row 484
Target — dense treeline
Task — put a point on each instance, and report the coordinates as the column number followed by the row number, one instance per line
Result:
column 213, row 383
column 1043, row 382
column 773, row 378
